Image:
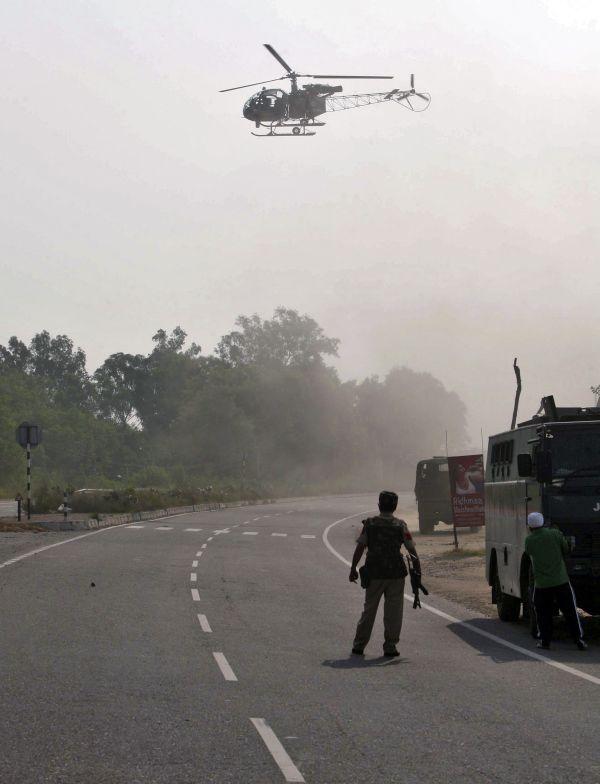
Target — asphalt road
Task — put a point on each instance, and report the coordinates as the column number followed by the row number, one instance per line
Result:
column 222, row 655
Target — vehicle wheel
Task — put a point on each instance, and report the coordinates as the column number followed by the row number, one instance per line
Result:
column 508, row 606
column 426, row 526
column 296, row 131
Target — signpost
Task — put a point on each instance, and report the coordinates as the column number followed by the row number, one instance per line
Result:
column 28, row 436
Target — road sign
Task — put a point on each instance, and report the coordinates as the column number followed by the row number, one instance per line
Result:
column 28, row 434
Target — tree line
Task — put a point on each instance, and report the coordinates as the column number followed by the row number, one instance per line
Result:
column 265, row 413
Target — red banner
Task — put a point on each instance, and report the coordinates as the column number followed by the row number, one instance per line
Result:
column 466, row 489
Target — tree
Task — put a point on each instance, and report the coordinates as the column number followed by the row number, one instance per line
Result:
column 54, row 361
column 117, row 382
column 174, row 342
column 287, row 339
column 266, row 410
column 162, row 381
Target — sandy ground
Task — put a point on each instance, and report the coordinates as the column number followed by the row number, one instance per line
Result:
column 458, row 575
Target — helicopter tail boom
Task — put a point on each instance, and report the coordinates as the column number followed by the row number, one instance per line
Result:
column 409, row 99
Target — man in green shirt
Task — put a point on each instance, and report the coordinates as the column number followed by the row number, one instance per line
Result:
column 547, row 548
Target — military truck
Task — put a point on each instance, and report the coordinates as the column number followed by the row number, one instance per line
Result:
column 432, row 491
column 549, row 464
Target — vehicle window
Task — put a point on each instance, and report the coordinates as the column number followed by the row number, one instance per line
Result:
column 575, row 451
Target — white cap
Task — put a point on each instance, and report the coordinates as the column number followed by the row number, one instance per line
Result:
column 535, row 520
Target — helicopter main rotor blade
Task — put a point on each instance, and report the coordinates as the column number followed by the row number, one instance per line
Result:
column 254, row 84
column 337, row 76
column 278, row 57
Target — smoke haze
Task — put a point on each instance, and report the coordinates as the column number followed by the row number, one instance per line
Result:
column 450, row 241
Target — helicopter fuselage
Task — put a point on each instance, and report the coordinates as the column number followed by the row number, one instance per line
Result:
column 276, row 105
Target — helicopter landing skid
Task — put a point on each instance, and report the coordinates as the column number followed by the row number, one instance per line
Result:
column 298, row 129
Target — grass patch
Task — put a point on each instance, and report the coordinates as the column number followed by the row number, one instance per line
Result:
column 17, row 528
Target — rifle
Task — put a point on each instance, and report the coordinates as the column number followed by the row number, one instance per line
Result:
column 415, row 583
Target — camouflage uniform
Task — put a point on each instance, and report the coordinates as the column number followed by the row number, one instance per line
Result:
column 383, row 536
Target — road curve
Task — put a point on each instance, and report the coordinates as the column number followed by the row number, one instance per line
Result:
column 214, row 647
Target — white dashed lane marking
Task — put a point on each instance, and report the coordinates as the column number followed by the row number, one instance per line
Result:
column 193, row 577
column 279, row 754
column 194, row 564
column 195, row 595
column 250, row 533
column 199, row 553
column 204, row 624
column 134, row 526
column 226, row 670
column 163, row 528
column 203, row 546
column 278, row 534
column 193, row 529
column 307, row 536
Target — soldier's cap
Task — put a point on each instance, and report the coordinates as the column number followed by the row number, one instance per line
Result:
column 388, row 501
column 535, row 520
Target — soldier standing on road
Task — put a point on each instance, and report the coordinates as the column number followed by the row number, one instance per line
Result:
column 383, row 536
column 547, row 548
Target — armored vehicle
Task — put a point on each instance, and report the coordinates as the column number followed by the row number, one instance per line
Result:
column 548, row 464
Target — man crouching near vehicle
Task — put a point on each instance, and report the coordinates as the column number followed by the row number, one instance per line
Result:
column 383, row 536
column 547, row 548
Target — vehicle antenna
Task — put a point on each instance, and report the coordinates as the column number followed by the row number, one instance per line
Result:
column 517, row 394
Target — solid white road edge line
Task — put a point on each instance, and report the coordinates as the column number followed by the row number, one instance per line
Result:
column 22, row 557
column 195, row 595
column 18, row 558
column 226, row 670
column 204, row 624
column 279, row 754
column 531, row 654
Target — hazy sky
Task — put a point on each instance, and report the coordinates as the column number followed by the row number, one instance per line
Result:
column 134, row 196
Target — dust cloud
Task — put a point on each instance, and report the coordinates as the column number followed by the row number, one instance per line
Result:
column 449, row 241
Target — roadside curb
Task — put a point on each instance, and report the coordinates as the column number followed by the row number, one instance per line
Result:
column 134, row 517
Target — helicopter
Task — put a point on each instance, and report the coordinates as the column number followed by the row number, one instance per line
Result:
column 295, row 113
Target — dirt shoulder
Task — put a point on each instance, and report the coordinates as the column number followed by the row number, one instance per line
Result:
column 459, row 575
